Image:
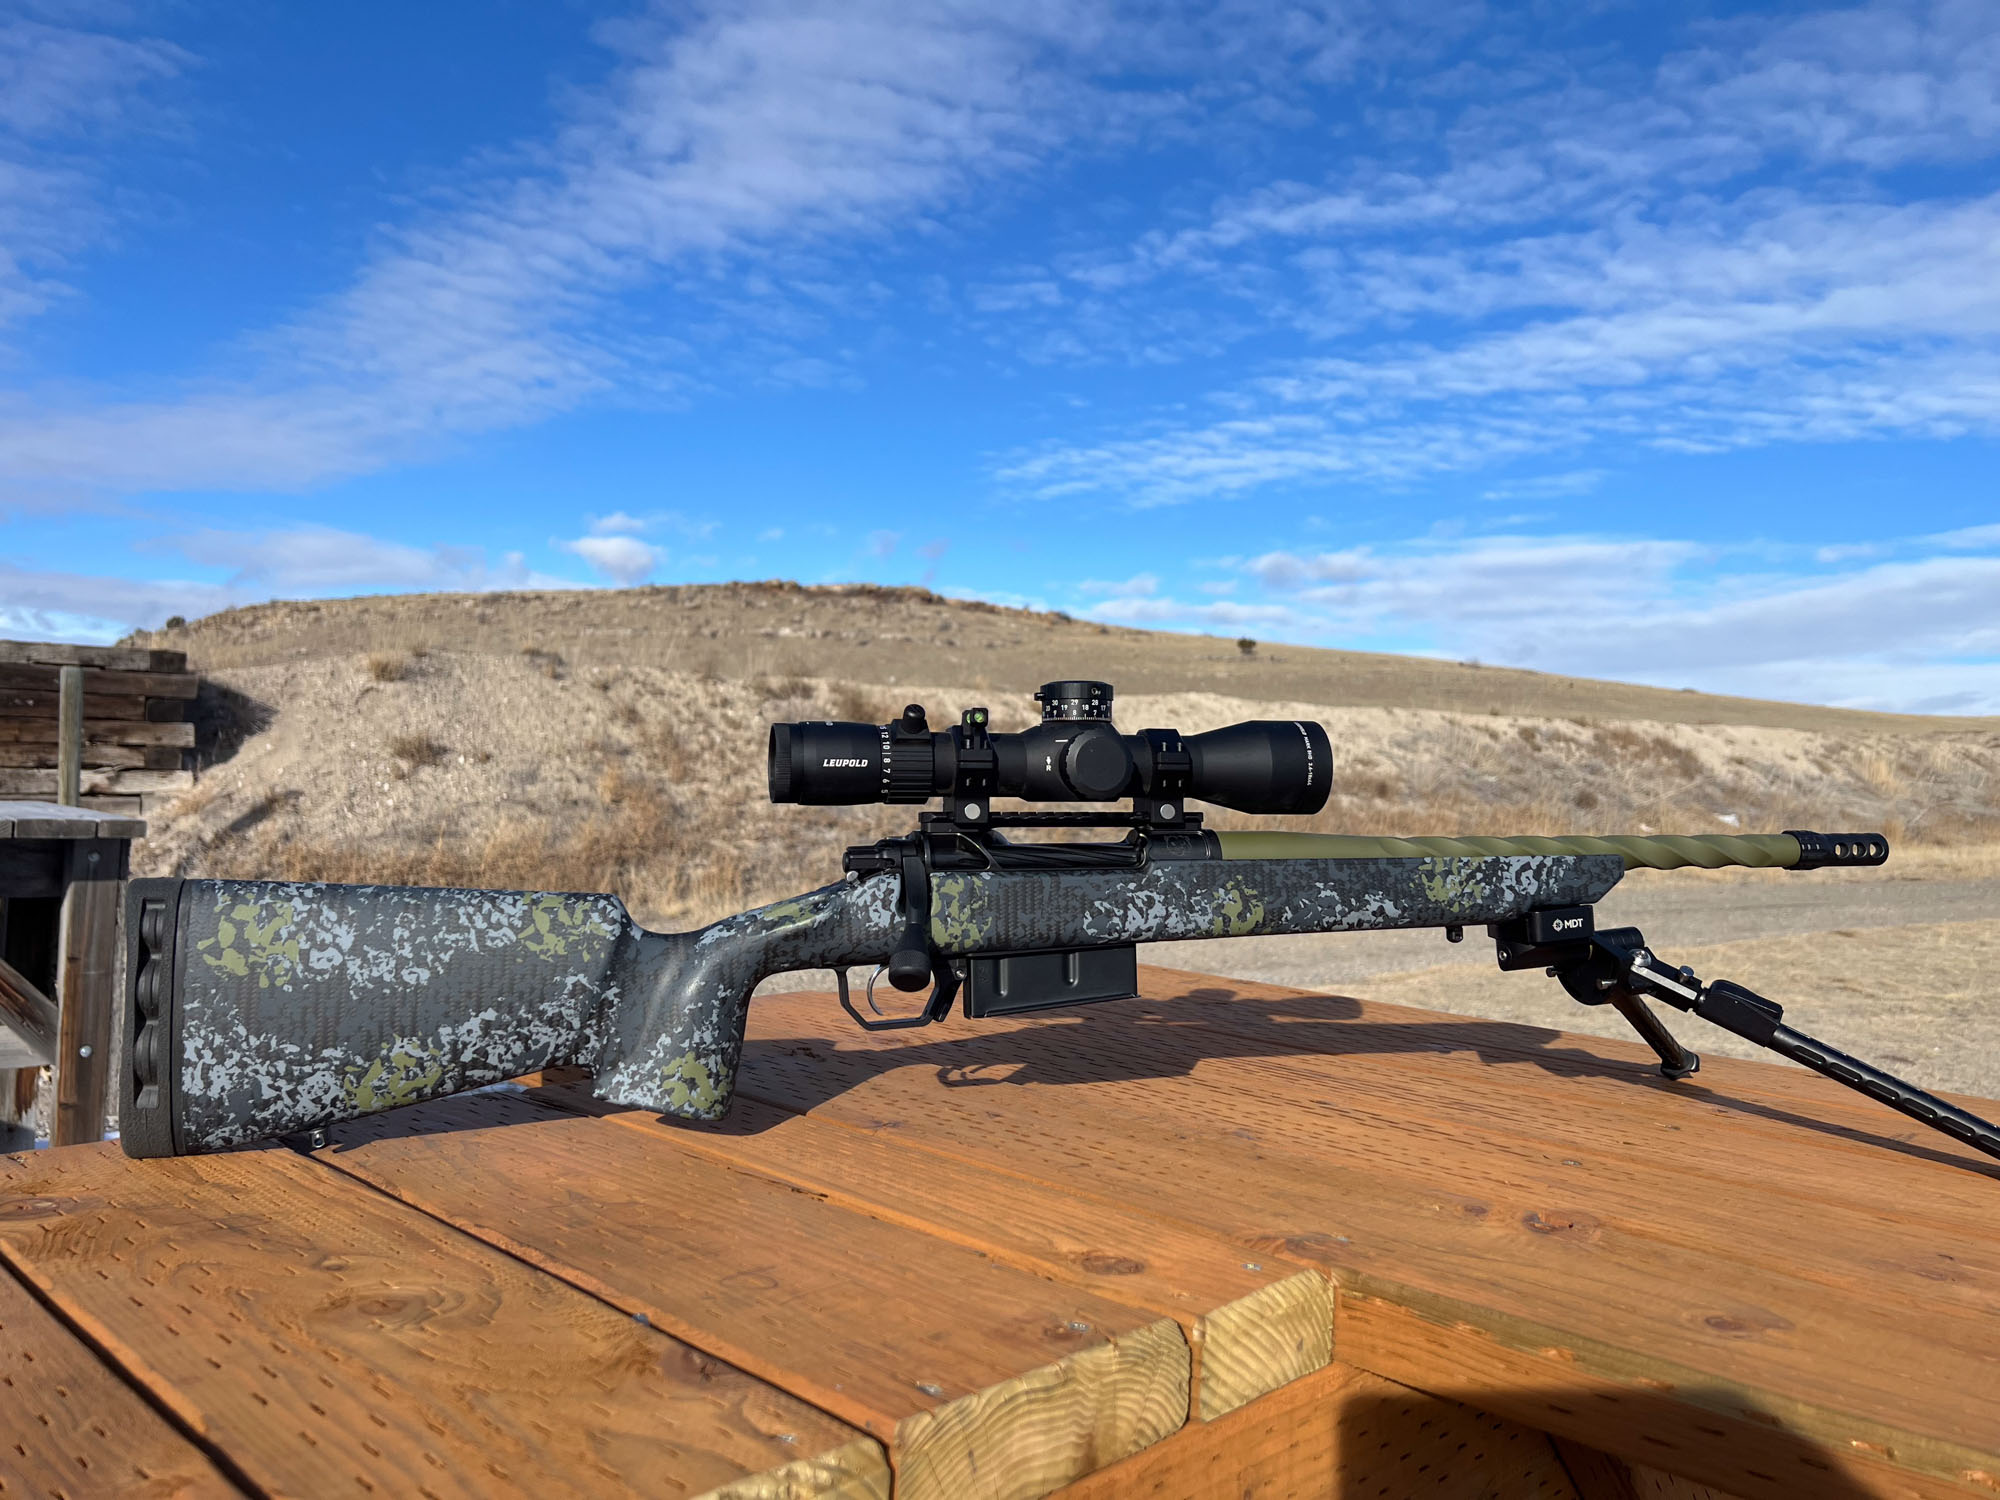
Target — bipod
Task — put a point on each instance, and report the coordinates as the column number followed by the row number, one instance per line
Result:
column 1616, row 968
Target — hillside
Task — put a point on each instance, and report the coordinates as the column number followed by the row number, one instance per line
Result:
column 861, row 633
column 616, row 741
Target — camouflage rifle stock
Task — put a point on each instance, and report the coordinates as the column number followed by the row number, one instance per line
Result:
column 256, row 1009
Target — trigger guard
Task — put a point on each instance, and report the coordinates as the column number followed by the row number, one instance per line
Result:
column 944, row 989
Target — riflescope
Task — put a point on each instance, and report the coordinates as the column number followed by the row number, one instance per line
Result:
column 1074, row 755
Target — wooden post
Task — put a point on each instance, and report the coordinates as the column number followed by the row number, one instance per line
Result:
column 86, row 978
column 27, row 1012
column 69, row 735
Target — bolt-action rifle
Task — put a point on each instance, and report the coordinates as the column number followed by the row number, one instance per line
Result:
column 258, row 1009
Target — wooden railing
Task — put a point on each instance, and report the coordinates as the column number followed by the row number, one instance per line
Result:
column 136, row 745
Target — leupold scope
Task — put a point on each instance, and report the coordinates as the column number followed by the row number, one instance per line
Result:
column 1074, row 755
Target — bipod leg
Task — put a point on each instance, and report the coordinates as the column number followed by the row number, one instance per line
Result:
column 1755, row 1019
column 1564, row 943
column 1676, row 1061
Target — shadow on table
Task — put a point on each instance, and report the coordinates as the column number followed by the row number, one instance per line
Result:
column 1408, row 1442
column 1135, row 1040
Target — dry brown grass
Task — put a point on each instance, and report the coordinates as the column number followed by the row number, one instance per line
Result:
column 634, row 844
column 387, row 666
column 651, row 784
column 549, row 663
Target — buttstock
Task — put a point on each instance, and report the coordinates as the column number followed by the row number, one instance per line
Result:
column 257, row 1008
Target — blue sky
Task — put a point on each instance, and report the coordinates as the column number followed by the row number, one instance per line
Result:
column 1650, row 342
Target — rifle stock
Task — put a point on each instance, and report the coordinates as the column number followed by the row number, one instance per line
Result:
column 255, row 1009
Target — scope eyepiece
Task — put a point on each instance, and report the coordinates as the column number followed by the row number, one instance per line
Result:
column 1075, row 754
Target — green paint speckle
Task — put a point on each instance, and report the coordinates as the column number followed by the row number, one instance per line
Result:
column 1240, row 914
column 248, row 941
column 553, row 921
column 691, row 1089
column 405, row 1071
column 1452, row 883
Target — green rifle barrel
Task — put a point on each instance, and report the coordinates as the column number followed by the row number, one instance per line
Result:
column 1708, row 851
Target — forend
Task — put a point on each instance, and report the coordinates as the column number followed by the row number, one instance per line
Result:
column 1075, row 754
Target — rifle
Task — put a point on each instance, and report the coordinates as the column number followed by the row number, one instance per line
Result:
column 256, row 1009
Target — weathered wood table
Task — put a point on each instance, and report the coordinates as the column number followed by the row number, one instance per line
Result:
column 61, row 870
column 1226, row 1240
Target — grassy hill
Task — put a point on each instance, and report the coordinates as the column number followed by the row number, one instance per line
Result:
column 615, row 740
column 861, row 633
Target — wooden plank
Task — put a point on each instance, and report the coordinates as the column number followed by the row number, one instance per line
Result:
column 1759, row 1132
column 27, row 1013
column 1416, row 1094
column 1254, row 1327
column 1762, row 1102
column 1760, row 1287
column 1406, row 1146
column 38, row 678
column 97, row 757
column 109, row 658
column 984, row 1381
column 49, row 820
column 100, row 732
column 332, row 1341
column 1620, row 1123
column 31, row 703
column 19, row 782
column 86, row 988
column 74, row 1428
column 1340, row 1433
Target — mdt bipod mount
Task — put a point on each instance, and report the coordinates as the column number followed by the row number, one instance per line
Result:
column 1615, row 967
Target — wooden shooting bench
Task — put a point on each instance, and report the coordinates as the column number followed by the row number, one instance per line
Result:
column 1227, row 1240
column 61, row 872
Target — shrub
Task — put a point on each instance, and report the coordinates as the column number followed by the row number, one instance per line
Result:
column 416, row 749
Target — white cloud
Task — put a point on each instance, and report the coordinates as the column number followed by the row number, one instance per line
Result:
column 290, row 562
column 623, row 559
column 1139, row 585
column 736, row 137
column 1917, row 631
column 313, row 559
column 1590, row 256
column 1547, row 486
column 65, row 91
column 71, row 606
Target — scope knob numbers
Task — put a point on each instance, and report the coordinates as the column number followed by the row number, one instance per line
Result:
column 1075, row 699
